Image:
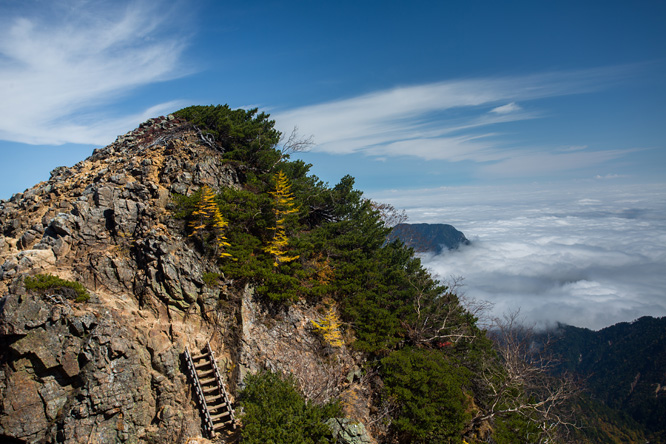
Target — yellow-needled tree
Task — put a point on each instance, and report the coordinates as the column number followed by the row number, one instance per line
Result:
column 284, row 205
column 329, row 327
column 208, row 221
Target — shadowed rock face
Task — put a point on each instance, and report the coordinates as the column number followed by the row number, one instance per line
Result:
column 433, row 238
column 80, row 370
column 111, row 370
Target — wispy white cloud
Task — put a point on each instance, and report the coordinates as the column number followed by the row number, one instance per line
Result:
column 589, row 254
column 506, row 109
column 573, row 148
column 448, row 120
column 518, row 163
column 440, row 148
column 610, row 176
column 61, row 62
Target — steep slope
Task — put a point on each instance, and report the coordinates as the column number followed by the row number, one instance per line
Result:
column 110, row 369
column 623, row 366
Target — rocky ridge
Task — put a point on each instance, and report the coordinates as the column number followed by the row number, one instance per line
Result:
column 111, row 370
column 429, row 238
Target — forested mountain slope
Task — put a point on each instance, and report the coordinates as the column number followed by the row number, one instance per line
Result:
column 623, row 366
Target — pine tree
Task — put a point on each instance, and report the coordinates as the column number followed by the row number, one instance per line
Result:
column 208, row 219
column 284, row 206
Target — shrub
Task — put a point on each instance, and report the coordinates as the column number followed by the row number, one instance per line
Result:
column 45, row 282
column 276, row 413
column 211, row 279
column 428, row 388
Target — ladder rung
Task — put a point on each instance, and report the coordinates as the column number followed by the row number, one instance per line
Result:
column 221, row 425
column 221, row 415
column 206, row 373
column 207, row 381
column 210, row 399
column 197, row 357
column 209, row 390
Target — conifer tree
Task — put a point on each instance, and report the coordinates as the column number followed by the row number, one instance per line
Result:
column 329, row 327
column 284, row 206
column 208, row 219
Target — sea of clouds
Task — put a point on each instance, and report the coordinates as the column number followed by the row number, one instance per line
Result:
column 589, row 254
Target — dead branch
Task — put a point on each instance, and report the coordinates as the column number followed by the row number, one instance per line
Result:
column 295, row 143
column 438, row 314
column 520, row 381
column 389, row 214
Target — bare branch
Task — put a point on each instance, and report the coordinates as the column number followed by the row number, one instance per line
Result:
column 295, row 143
column 389, row 214
column 521, row 382
column 438, row 314
column 207, row 139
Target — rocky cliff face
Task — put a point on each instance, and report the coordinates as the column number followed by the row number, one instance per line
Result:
column 111, row 370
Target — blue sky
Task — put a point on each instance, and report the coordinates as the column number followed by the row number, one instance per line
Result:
column 398, row 94
column 424, row 98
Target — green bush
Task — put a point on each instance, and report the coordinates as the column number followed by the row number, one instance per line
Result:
column 516, row 428
column 428, row 388
column 211, row 279
column 44, row 282
column 276, row 413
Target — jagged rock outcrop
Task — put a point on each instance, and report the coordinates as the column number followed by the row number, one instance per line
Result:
column 111, row 369
column 108, row 370
column 106, row 219
column 82, row 373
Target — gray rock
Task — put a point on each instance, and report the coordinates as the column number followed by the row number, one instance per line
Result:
column 347, row 431
column 28, row 239
column 93, row 372
column 63, row 224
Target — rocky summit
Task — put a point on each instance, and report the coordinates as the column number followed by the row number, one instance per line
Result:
column 111, row 369
column 429, row 238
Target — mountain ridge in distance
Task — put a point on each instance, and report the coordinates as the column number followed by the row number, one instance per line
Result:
column 429, row 237
column 622, row 366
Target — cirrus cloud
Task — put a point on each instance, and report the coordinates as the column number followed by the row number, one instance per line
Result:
column 451, row 121
column 61, row 62
column 506, row 109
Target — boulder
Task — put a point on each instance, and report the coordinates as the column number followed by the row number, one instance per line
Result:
column 347, row 431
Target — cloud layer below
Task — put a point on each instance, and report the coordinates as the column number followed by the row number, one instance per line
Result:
column 59, row 66
column 588, row 255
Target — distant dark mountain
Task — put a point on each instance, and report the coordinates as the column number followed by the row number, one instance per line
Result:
column 429, row 237
column 624, row 366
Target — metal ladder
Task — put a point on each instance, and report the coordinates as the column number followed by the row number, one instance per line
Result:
column 217, row 412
